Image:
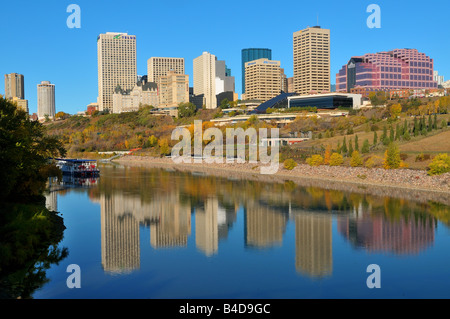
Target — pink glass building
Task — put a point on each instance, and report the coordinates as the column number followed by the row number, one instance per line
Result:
column 384, row 71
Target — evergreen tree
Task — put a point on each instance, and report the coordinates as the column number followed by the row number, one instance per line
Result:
column 350, row 147
column 398, row 132
column 391, row 134
column 430, row 123
column 435, row 122
column 366, row 147
column 344, row 147
column 375, row 138
column 384, row 136
column 356, row 143
column 416, row 127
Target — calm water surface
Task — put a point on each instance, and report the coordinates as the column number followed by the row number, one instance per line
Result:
column 154, row 233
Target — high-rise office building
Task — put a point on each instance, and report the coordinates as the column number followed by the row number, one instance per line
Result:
column 396, row 69
column 21, row 103
column 116, row 66
column 263, row 79
column 158, row 67
column 205, row 78
column 252, row 54
column 46, row 100
column 14, row 86
column 224, row 80
column 438, row 78
column 312, row 60
column 173, row 89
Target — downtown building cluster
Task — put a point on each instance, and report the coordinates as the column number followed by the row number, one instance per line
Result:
column 264, row 82
column 15, row 92
column 166, row 85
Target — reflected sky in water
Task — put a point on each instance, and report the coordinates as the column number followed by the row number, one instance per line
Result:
column 157, row 233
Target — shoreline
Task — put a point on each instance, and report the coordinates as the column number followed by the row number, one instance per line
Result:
column 378, row 181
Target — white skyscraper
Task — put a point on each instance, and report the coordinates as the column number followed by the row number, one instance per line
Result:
column 205, row 78
column 46, row 100
column 116, row 66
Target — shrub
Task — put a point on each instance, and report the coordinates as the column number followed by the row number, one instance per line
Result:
column 403, row 156
column 373, row 161
column 439, row 165
column 356, row 159
column 290, row 164
column 336, row 159
column 315, row 160
column 422, row 157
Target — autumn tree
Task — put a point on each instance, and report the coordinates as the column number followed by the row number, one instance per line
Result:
column 395, row 110
column 327, row 155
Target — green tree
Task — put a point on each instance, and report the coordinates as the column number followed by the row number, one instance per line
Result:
column 398, row 132
column 430, row 123
column 375, row 138
column 356, row 143
column 384, row 136
column 225, row 104
column 186, row 110
column 391, row 134
column 344, row 148
column 25, row 150
column 366, row 147
column 416, row 127
column 405, row 127
column 350, row 147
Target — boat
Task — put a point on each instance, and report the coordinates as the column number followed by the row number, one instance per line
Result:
column 78, row 167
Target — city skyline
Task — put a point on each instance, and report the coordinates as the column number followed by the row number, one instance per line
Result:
column 67, row 57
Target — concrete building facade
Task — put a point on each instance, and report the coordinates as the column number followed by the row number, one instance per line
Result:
column 312, row 60
column 263, row 79
column 205, row 78
column 14, row 86
column 224, row 80
column 251, row 54
column 116, row 66
column 160, row 66
column 21, row 103
column 132, row 100
column 46, row 100
column 173, row 89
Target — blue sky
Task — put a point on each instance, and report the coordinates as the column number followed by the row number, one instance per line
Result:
column 37, row 42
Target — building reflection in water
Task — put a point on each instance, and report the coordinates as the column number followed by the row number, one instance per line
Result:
column 403, row 234
column 313, row 244
column 173, row 227
column 120, row 234
column 168, row 218
column 264, row 227
column 207, row 228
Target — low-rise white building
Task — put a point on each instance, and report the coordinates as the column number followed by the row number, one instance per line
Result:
column 131, row 101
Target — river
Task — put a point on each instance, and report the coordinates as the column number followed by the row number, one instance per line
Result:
column 140, row 232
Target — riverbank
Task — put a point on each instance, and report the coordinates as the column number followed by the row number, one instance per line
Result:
column 402, row 183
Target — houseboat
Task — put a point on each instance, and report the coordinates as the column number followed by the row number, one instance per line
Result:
column 78, row 167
